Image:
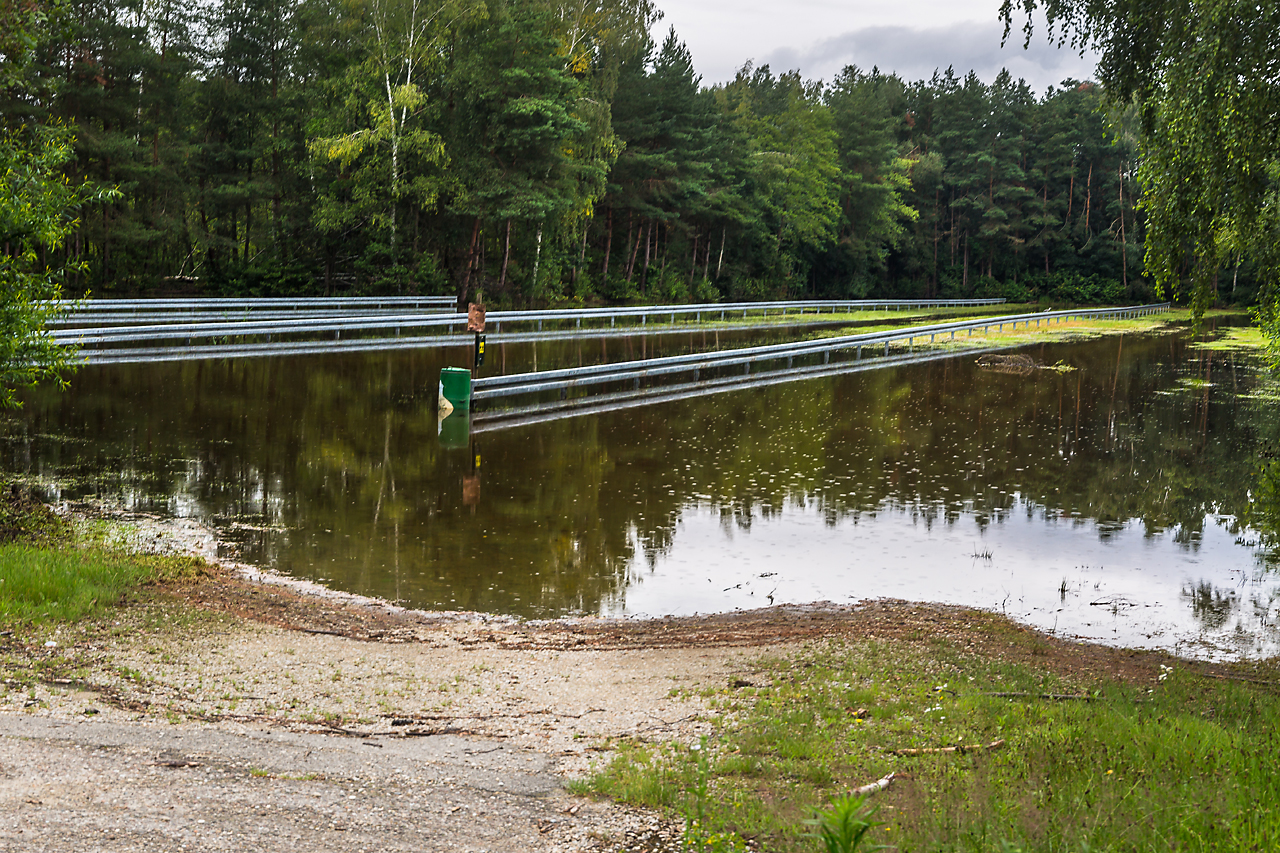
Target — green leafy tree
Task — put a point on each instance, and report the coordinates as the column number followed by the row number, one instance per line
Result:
column 798, row 169
column 403, row 41
column 1203, row 75
column 37, row 207
column 876, row 174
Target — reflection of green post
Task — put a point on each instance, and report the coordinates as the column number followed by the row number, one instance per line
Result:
column 454, row 431
column 455, row 389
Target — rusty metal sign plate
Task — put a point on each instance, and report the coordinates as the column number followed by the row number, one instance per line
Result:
column 475, row 318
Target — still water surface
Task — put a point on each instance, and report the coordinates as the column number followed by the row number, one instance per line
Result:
column 1099, row 503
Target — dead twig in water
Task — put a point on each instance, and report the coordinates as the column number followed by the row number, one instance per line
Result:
column 948, row 750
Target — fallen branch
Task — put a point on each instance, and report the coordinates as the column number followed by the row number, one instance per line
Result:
column 947, row 750
column 876, row 786
column 1056, row 697
column 1243, row 678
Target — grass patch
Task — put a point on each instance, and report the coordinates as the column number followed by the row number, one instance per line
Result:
column 64, row 583
column 1182, row 763
column 24, row 518
column 53, row 572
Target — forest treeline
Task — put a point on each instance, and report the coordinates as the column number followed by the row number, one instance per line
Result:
column 549, row 150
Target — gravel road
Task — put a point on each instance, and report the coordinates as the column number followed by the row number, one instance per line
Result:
column 90, row 785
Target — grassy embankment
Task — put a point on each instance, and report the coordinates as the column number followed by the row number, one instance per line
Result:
column 1172, row 759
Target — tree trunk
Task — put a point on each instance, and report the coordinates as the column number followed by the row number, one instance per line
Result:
column 506, row 256
column 1071, row 194
column 693, row 266
column 644, row 275
column 1044, row 222
column 1088, row 202
column 706, row 257
column 582, row 255
column 951, row 232
column 720, row 261
column 608, row 245
column 633, row 245
column 471, row 260
column 537, row 258
column 1124, row 247
column 937, row 191
column 666, row 245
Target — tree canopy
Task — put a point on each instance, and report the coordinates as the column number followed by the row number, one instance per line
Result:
column 37, row 209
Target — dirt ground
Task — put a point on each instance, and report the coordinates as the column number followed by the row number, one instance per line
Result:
column 287, row 715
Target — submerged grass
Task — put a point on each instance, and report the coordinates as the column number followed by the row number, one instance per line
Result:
column 1247, row 338
column 1182, row 763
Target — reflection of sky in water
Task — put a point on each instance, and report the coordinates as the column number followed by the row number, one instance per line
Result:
column 1125, row 588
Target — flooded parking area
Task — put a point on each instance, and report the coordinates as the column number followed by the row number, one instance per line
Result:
column 1107, row 498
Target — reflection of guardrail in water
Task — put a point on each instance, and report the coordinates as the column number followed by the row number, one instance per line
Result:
column 567, row 379
column 256, row 327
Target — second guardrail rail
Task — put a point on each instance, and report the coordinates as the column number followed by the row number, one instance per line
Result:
column 565, row 379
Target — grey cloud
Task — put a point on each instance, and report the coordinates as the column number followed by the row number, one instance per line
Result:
column 914, row 53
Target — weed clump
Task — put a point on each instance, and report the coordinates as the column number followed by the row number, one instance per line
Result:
column 25, row 518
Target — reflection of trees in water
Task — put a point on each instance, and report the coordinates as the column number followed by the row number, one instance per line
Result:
column 1263, row 513
column 1212, row 607
column 343, row 453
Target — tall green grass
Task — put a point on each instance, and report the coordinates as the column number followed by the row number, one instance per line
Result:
column 1184, row 763
column 63, row 583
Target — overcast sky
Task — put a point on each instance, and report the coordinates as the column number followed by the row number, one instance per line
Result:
column 819, row 37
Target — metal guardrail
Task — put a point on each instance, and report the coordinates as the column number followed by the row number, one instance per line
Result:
column 260, row 349
column 564, row 379
column 238, row 328
column 126, row 319
column 130, row 312
column 210, row 303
